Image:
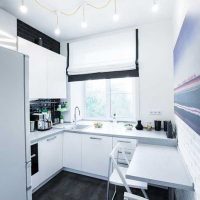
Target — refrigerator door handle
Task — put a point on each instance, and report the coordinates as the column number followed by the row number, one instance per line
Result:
column 29, row 188
column 28, row 175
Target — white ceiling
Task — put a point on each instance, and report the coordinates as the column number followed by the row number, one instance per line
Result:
column 131, row 12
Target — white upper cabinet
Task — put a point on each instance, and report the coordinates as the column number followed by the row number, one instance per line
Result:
column 37, row 68
column 47, row 71
column 56, row 75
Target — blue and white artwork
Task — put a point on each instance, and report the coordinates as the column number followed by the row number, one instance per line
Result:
column 187, row 70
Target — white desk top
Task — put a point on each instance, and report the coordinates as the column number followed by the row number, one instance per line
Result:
column 159, row 165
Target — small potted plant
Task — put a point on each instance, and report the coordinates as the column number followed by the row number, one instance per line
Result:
column 61, row 119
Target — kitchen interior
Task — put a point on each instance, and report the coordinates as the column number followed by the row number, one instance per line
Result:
column 99, row 100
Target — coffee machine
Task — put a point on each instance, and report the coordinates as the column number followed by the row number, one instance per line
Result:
column 42, row 121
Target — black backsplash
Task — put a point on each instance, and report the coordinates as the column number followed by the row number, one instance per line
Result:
column 29, row 33
column 50, row 104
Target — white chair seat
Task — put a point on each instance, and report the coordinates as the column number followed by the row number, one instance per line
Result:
column 116, row 180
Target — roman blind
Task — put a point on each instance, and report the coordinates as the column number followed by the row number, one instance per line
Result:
column 109, row 54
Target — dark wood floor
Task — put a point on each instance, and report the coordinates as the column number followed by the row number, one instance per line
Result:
column 69, row 186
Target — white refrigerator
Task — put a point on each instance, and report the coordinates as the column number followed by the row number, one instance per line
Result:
column 15, row 161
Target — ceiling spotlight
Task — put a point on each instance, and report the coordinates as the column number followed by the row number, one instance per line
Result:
column 23, row 8
column 115, row 17
column 155, row 6
column 84, row 24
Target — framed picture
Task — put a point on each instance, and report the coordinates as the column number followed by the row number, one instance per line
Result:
column 187, row 70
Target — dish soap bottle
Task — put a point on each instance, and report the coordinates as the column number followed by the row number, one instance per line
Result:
column 114, row 118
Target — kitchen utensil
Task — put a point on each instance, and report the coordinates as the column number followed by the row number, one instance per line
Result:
column 165, row 124
column 139, row 126
column 157, row 124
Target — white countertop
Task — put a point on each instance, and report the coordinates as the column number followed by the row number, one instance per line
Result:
column 39, row 135
column 159, row 165
column 110, row 130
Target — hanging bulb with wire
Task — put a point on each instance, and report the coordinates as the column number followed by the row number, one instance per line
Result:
column 115, row 15
column 23, row 7
column 57, row 29
column 84, row 23
column 155, row 6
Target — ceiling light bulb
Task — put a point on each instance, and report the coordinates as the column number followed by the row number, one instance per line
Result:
column 84, row 24
column 23, row 9
column 115, row 17
column 155, row 7
column 57, row 31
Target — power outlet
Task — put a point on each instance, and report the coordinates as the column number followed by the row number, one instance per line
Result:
column 155, row 112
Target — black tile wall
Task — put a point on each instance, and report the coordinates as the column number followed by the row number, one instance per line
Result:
column 37, row 106
column 29, row 33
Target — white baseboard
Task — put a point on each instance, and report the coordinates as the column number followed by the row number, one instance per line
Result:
column 85, row 174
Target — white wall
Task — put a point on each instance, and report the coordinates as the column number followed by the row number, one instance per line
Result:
column 180, row 10
column 188, row 140
column 156, row 71
column 77, row 99
column 8, row 30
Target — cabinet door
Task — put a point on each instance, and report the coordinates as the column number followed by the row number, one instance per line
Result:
column 56, row 76
column 95, row 154
column 35, row 180
column 50, row 156
column 37, row 68
column 72, row 151
column 128, row 145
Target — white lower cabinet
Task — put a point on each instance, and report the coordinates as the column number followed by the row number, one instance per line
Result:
column 50, row 156
column 50, row 159
column 80, row 152
column 35, row 180
column 72, row 143
column 95, row 154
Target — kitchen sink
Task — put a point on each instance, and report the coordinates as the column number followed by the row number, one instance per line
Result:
column 79, row 126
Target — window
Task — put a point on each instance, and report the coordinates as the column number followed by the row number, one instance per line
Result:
column 104, row 98
column 95, row 99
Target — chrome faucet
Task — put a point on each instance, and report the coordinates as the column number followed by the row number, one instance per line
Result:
column 75, row 119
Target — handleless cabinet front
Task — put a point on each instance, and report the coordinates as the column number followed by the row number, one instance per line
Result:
column 72, row 143
column 95, row 154
column 47, row 71
column 56, row 76
column 37, row 68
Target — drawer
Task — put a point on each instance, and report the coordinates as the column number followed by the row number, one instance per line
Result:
column 126, row 143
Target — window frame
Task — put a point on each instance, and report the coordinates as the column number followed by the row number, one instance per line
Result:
column 108, row 116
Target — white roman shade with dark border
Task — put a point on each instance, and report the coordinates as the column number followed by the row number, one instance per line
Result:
column 109, row 55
